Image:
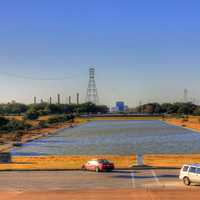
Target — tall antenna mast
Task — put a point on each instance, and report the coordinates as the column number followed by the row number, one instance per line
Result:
column 92, row 94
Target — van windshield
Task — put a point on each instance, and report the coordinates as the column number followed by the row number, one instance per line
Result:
column 185, row 168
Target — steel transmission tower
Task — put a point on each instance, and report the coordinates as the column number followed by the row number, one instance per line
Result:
column 92, row 94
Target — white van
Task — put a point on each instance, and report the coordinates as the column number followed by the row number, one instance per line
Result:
column 190, row 174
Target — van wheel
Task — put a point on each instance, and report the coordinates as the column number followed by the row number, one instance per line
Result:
column 186, row 181
column 97, row 169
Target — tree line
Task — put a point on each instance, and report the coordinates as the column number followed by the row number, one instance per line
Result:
column 169, row 108
column 51, row 109
column 58, row 113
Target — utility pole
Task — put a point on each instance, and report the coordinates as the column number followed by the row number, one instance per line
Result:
column 70, row 101
column 50, row 100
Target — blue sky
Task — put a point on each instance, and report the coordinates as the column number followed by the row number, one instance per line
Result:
column 142, row 50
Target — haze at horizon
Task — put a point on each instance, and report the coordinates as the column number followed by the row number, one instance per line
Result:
column 141, row 50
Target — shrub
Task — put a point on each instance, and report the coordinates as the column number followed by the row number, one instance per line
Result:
column 60, row 118
column 31, row 115
column 197, row 111
column 3, row 121
column 43, row 124
column 15, row 125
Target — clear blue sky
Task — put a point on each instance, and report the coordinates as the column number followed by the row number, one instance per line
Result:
column 145, row 50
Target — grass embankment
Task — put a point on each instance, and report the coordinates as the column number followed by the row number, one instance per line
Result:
column 192, row 122
column 63, row 162
column 170, row 160
column 75, row 162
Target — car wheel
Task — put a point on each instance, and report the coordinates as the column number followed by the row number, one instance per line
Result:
column 97, row 169
column 186, row 181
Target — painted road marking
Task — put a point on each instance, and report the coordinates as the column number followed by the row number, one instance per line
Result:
column 155, row 177
column 133, row 179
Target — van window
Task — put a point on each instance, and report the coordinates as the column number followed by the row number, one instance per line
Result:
column 185, row 168
column 198, row 170
column 192, row 170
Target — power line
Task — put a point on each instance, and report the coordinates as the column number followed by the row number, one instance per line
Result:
column 35, row 78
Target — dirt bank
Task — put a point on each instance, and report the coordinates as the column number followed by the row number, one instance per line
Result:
column 192, row 122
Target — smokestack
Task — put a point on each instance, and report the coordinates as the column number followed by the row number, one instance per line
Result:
column 70, row 100
column 50, row 100
column 77, row 98
column 58, row 98
column 35, row 100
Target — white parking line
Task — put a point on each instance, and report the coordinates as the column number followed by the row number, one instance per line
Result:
column 155, row 177
column 133, row 179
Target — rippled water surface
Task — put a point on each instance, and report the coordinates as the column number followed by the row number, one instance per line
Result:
column 115, row 137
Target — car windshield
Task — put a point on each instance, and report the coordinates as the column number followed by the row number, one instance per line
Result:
column 104, row 161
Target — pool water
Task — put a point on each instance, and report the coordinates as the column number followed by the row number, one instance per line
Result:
column 115, row 137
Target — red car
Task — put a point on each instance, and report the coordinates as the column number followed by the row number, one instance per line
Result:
column 98, row 165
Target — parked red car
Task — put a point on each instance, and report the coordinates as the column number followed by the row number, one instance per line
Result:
column 98, row 165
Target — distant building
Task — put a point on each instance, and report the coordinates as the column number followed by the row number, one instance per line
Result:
column 120, row 106
column 113, row 109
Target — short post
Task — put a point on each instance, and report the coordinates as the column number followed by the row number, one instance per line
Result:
column 139, row 160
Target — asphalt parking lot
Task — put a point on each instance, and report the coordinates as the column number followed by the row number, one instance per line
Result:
column 73, row 180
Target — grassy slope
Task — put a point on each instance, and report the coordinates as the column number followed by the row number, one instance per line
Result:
column 62, row 162
column 171, row 160
column 193, row 122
